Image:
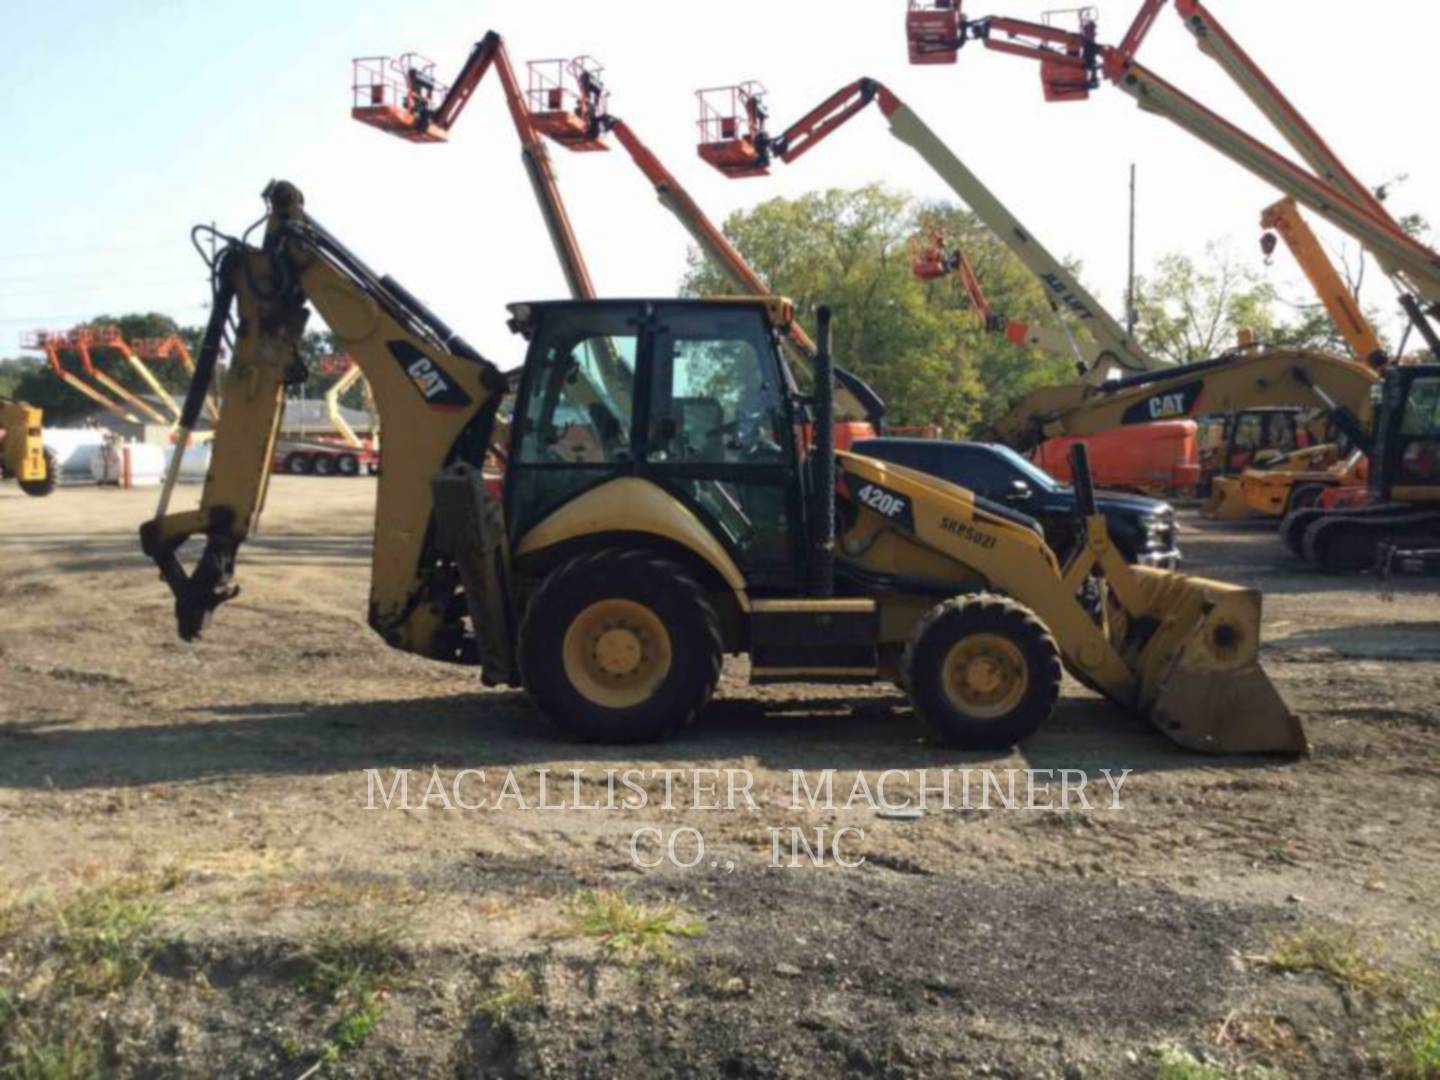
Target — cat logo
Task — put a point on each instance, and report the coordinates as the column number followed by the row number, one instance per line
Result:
column 427, row 377
column 1168, row 405
column 1163, row 406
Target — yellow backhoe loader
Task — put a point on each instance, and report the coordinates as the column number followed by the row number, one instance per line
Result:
column 23, row 456
column 671, row 497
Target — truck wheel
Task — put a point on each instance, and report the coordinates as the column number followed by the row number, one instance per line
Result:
column 347, row 465
column 983, row 671
column 620, row 646
column 298, row 464
column 47, row 483
column 324, row 465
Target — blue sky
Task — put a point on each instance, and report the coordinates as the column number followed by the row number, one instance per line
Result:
column 126, row 123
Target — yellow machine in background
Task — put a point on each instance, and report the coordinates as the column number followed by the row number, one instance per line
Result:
column 662, row 507
column 23, row 456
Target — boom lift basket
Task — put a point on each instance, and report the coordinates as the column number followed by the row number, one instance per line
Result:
column 397, row 95
column 928, row 260
column 932, row 28
column 731, row 119
column 566, row 99
column 1065, row 77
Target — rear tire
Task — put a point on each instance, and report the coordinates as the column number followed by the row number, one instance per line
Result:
column 347, row 465
column 983, row 671
column 298, row 464
column 47, row 483
column 324, row 465
column 620, row 646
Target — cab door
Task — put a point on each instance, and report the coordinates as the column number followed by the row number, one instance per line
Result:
column 718, row 435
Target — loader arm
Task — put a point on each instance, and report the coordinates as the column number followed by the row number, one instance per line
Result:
column 436, row 397
column 1228, row 384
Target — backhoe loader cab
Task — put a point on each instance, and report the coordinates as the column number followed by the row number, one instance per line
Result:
column 671, row 496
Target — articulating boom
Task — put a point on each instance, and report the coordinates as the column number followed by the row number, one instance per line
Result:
column 739, row 145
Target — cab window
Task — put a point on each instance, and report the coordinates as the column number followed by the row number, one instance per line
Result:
column 582, row 396
column 715, row 394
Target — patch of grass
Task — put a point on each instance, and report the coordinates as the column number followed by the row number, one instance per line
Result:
column 105, row 934
column 1337, row 954
column 58, row 1051
column 628, row 931
column 1179, row 1064
column 1412, row 1047
column 353, row 957
column 514, row 993
column 355, row 1027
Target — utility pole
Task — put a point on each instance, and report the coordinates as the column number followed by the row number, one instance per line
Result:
column 1130, row 283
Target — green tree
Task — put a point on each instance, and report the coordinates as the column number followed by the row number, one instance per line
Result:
column 918, row 344
column 1189, row 311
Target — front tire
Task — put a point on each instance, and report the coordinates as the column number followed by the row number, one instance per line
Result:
column 47, row 483
column 983, row 671
column 348, row 465
column 620, row 646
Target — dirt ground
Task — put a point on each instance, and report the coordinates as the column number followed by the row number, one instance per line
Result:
column 215, row 795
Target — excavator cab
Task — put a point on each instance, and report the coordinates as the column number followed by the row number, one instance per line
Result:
column 732, row 129
column 567, row 101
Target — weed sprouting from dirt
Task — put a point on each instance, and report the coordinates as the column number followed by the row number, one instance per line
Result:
column 350, row 962
column 352, row 957
column 629, row 931
column 105, row 934
column 1335, row 953
column 514, row 993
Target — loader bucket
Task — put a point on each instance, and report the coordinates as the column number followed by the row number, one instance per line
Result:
column 1227, row 500
column 1201, row 682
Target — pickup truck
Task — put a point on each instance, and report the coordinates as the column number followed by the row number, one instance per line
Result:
column 1142, row 528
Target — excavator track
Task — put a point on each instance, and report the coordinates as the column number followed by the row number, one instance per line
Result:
column 1352, row 540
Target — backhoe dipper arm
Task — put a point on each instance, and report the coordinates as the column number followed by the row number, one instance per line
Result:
column 1228, row 384
column 1115, row 348
column 436, row 396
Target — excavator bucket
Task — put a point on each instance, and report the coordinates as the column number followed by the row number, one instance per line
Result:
column 1200, row 677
